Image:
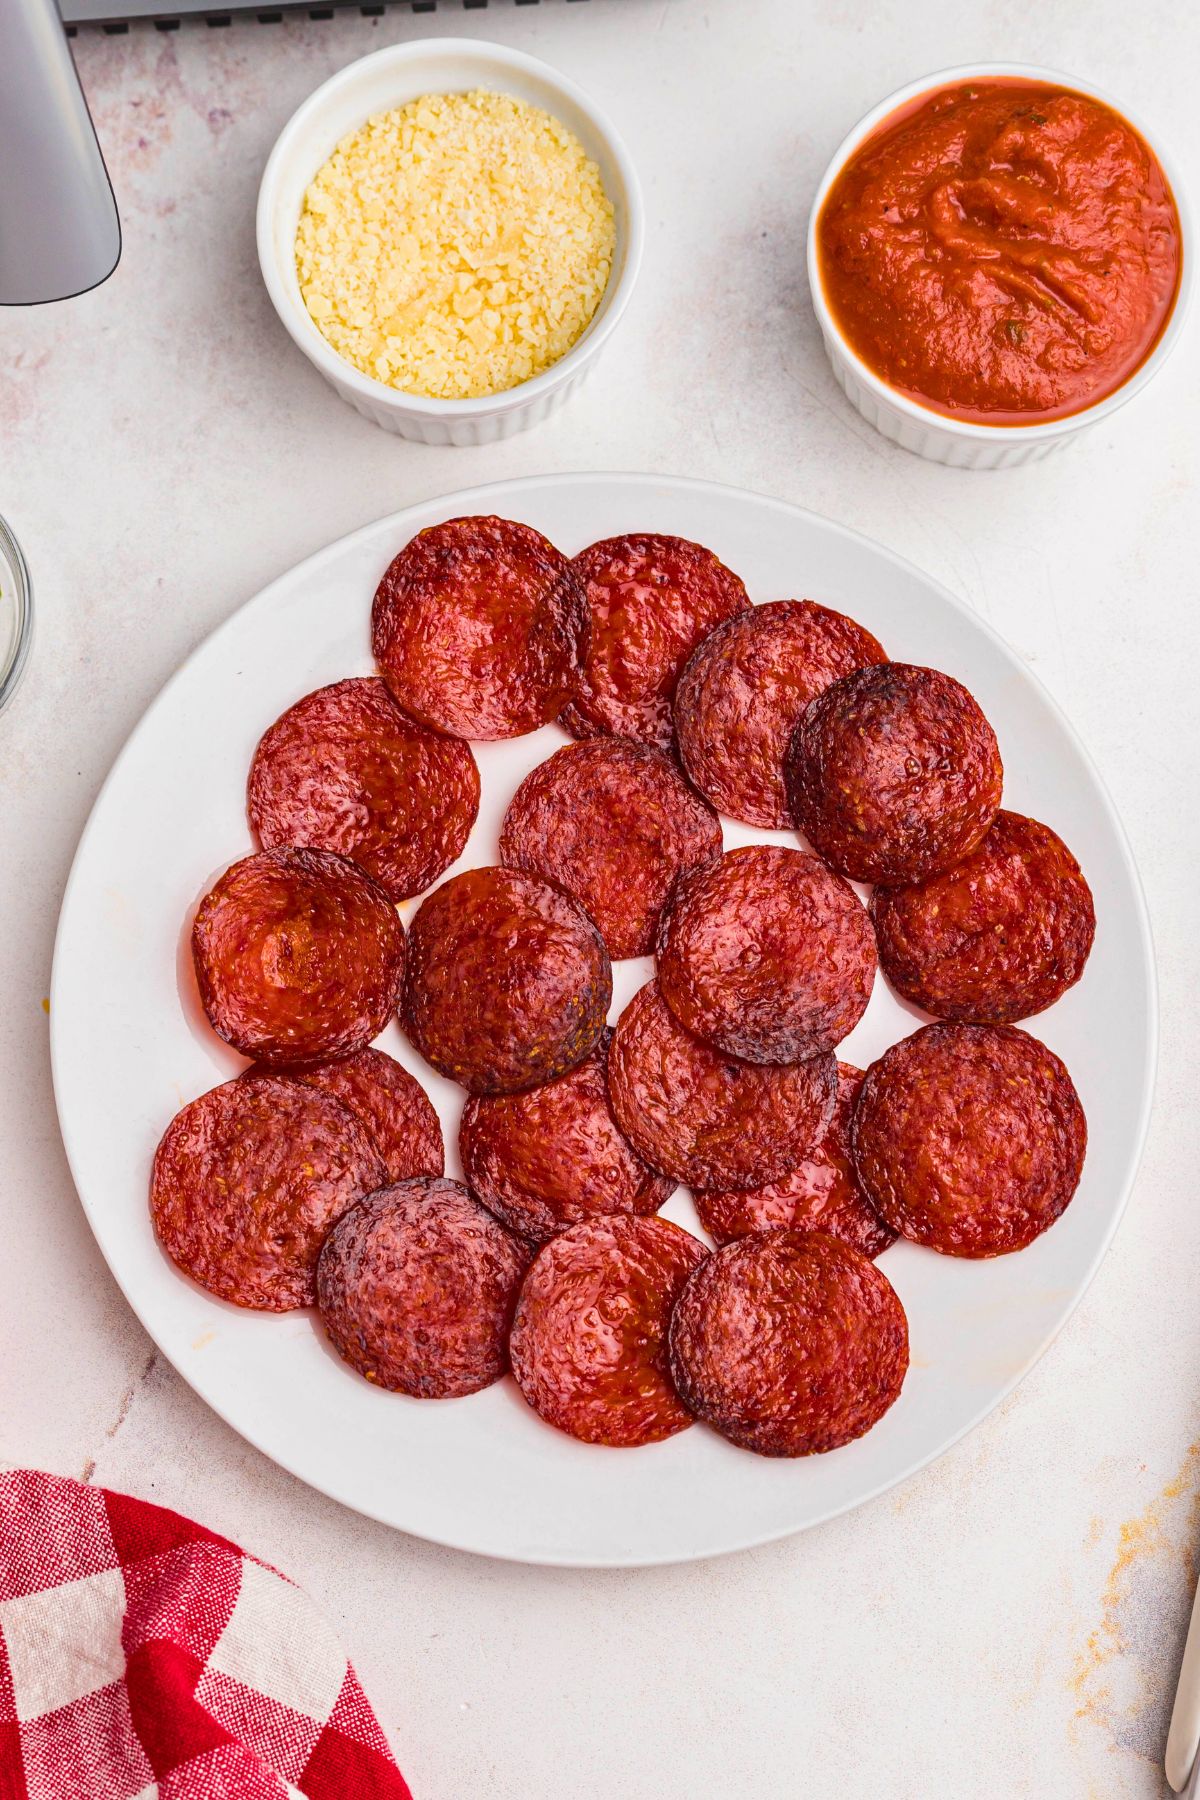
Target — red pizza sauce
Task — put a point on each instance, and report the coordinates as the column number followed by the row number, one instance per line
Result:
column 1003, row 251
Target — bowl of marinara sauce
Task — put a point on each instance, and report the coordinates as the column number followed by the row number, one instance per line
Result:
column 998, row 258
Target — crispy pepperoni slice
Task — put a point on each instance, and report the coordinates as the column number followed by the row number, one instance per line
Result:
column 547, row 1158
column 589, row 1341
column 893, row 773
column 821, row 1194
column 969, row 1138
column 614, row 823
column 706, row 1118
column 248, row 1180
column 344, row 770
column 998, row 937
column 417, row 1288
column 742, row 693
column 789, row 1343
column 652, row 599
column 389, row 1103
column 480, row 627
column 766, row 955
column 299, row 957
column 508, row 982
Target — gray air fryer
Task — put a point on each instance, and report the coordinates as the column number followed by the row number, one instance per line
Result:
column 59, row 230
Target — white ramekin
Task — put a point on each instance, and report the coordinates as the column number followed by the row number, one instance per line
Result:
column 390, row 78
column 964, row 444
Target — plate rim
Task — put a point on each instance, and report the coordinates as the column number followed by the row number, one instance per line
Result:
column 465, row 500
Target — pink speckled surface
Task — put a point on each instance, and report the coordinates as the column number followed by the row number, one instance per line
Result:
column 1005, row 1626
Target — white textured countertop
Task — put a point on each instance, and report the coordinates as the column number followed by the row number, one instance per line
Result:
column 1008, row 1623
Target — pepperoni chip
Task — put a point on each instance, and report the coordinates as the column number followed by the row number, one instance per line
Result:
column 247, row 1182
column 554, row 1155
column 344, row 770
column 789, row 1343
column 1002, row 935
column 969, row 1138
column 480, row 627
column 589, row 1341
column 614, row 823
column 742, row 693
column 766, row 955
column 706, row 1118
column 417, row 1288
column 508, row 981
column 389, row 1103
column 652, row 600
column 299, row 957
column 893, row 773
column 822, row 1194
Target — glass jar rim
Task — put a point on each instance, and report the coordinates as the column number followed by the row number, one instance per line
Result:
column 14, row 656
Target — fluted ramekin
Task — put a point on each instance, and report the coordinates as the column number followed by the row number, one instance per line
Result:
column 967, row 444
column 391, row 78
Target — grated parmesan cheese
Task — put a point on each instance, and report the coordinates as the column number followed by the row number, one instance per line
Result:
column 455, row 246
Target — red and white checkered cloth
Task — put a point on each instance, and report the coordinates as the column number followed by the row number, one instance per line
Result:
column 142, row 1656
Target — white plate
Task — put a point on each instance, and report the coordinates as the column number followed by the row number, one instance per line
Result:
column 130, row 1047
